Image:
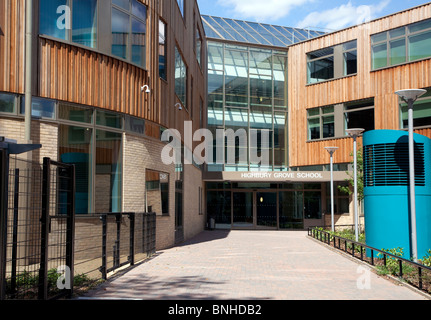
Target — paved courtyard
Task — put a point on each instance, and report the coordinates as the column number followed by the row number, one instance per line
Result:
column 252, row 265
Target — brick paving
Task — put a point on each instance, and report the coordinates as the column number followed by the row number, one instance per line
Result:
column 252, row 265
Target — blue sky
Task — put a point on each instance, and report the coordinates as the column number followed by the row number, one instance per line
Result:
column 318, row 14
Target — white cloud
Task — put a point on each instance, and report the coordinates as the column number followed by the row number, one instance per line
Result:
column 260, row 10
column 343, row 16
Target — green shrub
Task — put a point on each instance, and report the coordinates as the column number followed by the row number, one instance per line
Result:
column 426, row 261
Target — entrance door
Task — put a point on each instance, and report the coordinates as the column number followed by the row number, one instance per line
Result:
column 243, row 211
column 312, row 209
column 266, row 209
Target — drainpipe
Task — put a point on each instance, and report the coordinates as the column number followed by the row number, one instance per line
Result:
column 28, row 66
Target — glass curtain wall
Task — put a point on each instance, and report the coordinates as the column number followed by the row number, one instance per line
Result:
column 247, row 91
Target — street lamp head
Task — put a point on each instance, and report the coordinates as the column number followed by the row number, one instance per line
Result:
column 331, row 150
column 410, row 94
column 356, row 132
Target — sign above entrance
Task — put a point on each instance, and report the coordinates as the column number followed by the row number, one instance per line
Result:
column 289, row 176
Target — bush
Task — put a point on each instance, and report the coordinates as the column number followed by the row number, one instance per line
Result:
column 426, row 261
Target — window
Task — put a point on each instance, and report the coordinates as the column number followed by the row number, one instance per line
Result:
column 321, row 65
column 280, row 139
column 128, row 27
column 359, row 115
column 321, row 123
column 401, row 45
column 332, row 62
column 198, row 46
column 71, row 20
column 327, row 122
column 180, row 78
column 108, row 173
column 109, row 119
column 181, row 6
column 74, row 145
column 135, row 125
column 7, row 103
column 84, row 22
column 162, row 50
column 350, row 58
column 421, row 112
column 341, row 199
column 157, row 192
column 75, row 113
column 40, row 108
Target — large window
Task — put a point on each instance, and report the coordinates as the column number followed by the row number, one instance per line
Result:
column 421, row 112
column 128, row 25
column 72, row 20
column 180, row 78
column 332, row 62
column 401, row 45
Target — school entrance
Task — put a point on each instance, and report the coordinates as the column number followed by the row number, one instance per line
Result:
column 265, row 206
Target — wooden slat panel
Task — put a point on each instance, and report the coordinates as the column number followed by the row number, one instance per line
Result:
column 12, row 42
column 76, row 75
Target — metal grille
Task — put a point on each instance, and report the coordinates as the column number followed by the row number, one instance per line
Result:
column 388, row 164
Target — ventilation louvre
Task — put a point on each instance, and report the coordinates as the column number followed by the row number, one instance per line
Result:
column 388, row 164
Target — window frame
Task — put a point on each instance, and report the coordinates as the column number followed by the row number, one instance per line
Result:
column 165, row 47
column 185, row 81
column 129, row 45
column 339, row 61
column 320, row 116
column 388, row 40
column 362, row 108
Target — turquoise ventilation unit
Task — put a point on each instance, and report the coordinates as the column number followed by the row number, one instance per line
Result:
column 386, row 190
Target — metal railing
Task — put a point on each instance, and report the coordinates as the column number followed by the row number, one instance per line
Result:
column 415, row 274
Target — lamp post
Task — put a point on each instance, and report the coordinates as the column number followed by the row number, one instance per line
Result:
column 355, row 133
column 410, row 96
column 331, row 151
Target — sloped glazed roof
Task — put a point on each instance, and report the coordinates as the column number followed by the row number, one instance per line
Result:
column 254, row 32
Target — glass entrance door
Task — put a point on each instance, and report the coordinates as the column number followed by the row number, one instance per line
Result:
column 243, row 212
column 266, row 209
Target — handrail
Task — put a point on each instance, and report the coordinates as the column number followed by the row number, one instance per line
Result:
column 327, row 235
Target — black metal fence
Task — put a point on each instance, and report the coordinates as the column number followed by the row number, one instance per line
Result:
column 416, row 274
column 107, row 242
column 35, row 248
column 46, row 250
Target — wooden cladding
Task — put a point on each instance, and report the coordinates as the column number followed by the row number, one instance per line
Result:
column 380, row 85
column 12, row 33
column 77, row 75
